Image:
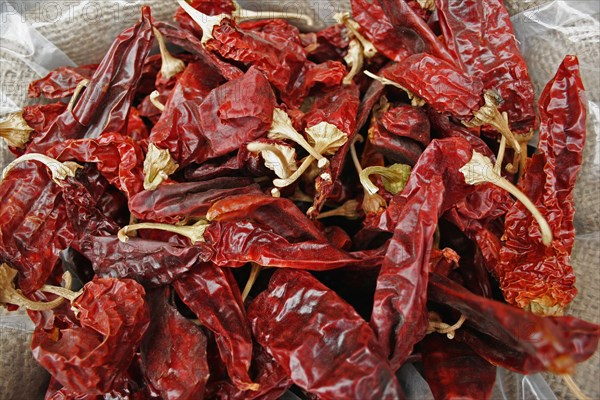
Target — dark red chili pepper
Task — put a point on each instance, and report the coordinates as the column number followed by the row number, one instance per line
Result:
column 61, row 82
column 212, row 294
column 329, row 43
column 88, row 353
column 513, row 338
column 376, row 27
column 445, row 87
column 480, row 37
column 34, row 226
column 173, row 352
column 320, row 341
column 171, row 203
column 454, row 371
column 104, row 105
column 416, row 35
column 194, row 131
column 524, row 258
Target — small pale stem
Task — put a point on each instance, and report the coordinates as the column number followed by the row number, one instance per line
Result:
column 368, row 48
column 346, row 210
column 171, row 65
column 206, row 22
column 354, row 59
column 254, row 272
column 415, row 100
column 194, row 232
column 275, row 192
column 573, row 387
column 241, row 14
column 282, row 128
column 78, row 89
column 64, row 292
column 301, row 196
column 59, row 170
column 155, row 102
column 256, row 147
column 490, row 115
column 500, row 156
column 480, row 169
column 436, row 325
column 15, row 131
column 427, row 4
column 280, row 183
column 357, row 166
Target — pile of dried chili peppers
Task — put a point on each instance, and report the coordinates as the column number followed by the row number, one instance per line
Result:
column 255, row 209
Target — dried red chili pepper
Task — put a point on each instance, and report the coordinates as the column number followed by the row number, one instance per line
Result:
column 61, row 82
column 513, row 338
column 195, row 131
column 112, row 86
column 416, row 35
column 176, row 202
column 453, row 370
column 212, row 294
column 34, row 229
column 523, row 258
column 173, row 352
column 321, row 342
column 480, row 37
column 88, row 353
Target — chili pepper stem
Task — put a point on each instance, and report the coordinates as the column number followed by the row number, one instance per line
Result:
column 368, row 48
column 170, row 66
column 15, row 131
column 394, row 177
column 490, row 115
column 254, row 272
column 354, row 59
column 346, row 210
column 274, row 157
column 280, row 183
column 480, row 169
column 241, row 14
column 415, row 100
column 193, row 232
column 154, row 100
column 206, row 22
column 372, row 202
column 282, row 128
column 78, row 89
column 10, row 295
column 500, row 156
column 427, row 4
column 158, row 165
column 573, row 387
column 436, row 325
column 60, row 171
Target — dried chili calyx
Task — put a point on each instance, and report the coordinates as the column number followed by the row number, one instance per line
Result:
column 415, row 100
column 60, row 171
column 283, row 129
column 368, row 49
column 279, row 158
column 170, row 66
column 373, row 202
column 205, row 22
column 158, row 165
column 15, row 131
column 480, row 170
column 354, row 59
column 326, row 139
column 10, row 295
column 193, row 232
column 394, row 177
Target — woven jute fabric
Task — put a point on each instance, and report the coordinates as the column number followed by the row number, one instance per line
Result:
column 84, row 30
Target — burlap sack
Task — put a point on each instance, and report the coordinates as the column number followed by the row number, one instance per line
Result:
column 79, row 32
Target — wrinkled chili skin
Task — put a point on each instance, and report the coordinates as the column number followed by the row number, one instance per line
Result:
column 173, row 352
column 416, row 35
column 89, row 354
column 454, row 371
column 61, row 82
column 445, row 87
column 212, row 294
column 515, row 339
column 480, row 37
column 549, row 184
column 113, row 86
column 34, row 228
column 320, row 340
